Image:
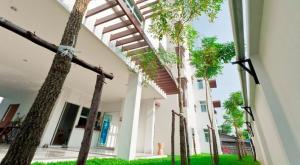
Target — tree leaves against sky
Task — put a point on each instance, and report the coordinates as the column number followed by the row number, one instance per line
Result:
column 210, row 58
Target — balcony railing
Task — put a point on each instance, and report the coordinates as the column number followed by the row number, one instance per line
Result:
column 135, row 10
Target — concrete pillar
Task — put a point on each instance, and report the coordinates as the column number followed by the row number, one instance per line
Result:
column 130, row 118
column 149, row 110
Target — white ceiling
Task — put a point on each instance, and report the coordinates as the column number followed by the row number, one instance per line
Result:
column 24, row 65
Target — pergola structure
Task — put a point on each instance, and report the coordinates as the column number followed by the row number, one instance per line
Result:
column 123, row 21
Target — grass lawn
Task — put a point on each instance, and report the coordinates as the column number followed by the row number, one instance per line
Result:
column 195, row 160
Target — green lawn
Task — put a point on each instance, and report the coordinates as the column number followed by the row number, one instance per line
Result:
column 195, row 160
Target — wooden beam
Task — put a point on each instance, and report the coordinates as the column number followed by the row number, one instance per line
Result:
column 147, row 11
column 140, row 1
column 138, row 51
column 160, row 74
column 167, row 87
column 162, row 79
column 52, row 47
column 148, row 5
column 134, row 46
column 110, row 17
column 128, row 40
column 116, row 26
column 135, row 23
column 148, row 16
column 123, row 34
column 96, row 10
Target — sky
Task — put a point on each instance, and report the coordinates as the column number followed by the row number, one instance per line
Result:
column 228, row 81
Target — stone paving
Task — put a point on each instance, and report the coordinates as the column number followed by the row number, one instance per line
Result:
column 55, row 154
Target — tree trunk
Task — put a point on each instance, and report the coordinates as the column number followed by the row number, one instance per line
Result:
column 244, row 148
column 187, row 141
column 173, row 138
column 23, row 148
column 88, row 132
column 238, row 147
column 215, row 147
column 209, row 142
column 183, row 154
column 194, row 144
column 211, row 122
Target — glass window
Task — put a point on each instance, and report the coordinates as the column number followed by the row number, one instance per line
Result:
column 200, row 84
column 135, row 11
column 206, row 135
column 83, row 119
column 203, row 106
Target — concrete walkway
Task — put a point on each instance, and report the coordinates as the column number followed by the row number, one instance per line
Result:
column 57, row 154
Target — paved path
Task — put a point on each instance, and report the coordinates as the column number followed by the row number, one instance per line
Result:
column 54, row 154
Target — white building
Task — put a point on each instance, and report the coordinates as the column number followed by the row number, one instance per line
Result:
column 135, row 117
column 269, row 30
column 201, row 113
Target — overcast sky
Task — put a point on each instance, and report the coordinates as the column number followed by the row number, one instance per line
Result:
column 228, row 81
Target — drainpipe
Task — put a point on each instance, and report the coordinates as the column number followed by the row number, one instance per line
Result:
column 236, row 11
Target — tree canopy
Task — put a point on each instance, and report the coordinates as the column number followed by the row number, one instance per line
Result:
column 210, row 58
column 234, row 115
column 172, row 18
column 225, row 128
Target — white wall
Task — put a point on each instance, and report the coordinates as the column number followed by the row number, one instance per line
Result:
column 25, row 101
column 163, row 118
column 266, row 128
column 276, row 61
column 78, row 98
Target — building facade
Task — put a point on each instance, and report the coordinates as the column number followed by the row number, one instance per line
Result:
column 134, row 117
column 267, row 32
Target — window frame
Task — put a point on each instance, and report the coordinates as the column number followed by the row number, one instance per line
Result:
column 206, row 134
column 203, row 103
column 200, row 81
column 99, row 115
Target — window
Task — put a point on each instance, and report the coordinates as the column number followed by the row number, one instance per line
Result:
column 83, row 119
column 206, row 135
column 203, row 106
column 200, row 84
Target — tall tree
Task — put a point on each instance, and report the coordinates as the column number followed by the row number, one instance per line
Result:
column 171, row 20
column 234, row 116
column 23, row 148
column 208, row 61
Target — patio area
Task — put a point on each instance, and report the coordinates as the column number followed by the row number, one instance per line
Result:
column 57, row 154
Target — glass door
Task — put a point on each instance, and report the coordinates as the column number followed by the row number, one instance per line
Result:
column 65, row 126
column 105, row 129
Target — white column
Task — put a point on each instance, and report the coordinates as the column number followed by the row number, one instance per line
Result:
column 149, row 111
column 130, row 118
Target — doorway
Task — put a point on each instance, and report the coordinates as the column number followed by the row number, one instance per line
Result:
column 65, row 126
column 105, row 129
column 9, row 114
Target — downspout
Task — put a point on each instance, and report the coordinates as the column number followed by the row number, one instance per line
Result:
column 236, row 12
